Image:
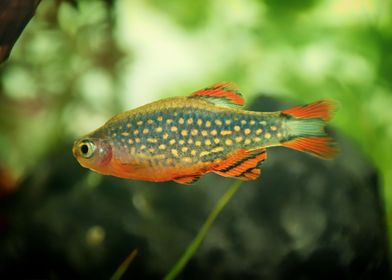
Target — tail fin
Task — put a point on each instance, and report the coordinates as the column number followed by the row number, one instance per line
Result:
column 305, row 125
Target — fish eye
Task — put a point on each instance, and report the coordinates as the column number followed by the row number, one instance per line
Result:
column 86, row 149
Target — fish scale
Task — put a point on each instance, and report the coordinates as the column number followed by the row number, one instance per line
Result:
column 210, row 135
column 182, row 138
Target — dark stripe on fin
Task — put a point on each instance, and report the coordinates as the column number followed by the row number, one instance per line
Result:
column 250, row 174
column 319, row 146
column 223, row 94
column 242, row 164
column 187, row 179
column 322, row 109
column 238, row 158
column 237, row 163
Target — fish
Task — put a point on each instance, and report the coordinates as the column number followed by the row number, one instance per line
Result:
column 182, row 138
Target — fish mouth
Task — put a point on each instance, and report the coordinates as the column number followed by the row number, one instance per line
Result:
column 74, row 149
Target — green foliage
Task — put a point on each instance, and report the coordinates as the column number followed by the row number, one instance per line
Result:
column 190, row 15
column 200, row 236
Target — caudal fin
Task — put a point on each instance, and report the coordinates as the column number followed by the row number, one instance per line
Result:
column 319, row 146
column 306, row 128
column 322, row 109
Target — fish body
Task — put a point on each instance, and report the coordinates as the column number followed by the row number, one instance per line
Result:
column 182, row 138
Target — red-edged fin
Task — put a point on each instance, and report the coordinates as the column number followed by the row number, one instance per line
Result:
column 187, row 179
column 250, row 174
column 319, row 146
column 322, row 109
column 224, row 94
column 242, row 164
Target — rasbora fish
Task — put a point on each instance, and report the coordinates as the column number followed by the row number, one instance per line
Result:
column 181, row 138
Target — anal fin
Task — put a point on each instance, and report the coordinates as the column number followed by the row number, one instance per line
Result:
column 250, row 174
column 190, row 179
column 242, row 164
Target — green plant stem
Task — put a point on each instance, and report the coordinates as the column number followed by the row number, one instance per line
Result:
column 124, row 266
column 195, row 244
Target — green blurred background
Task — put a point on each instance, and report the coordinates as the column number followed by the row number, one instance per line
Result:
column 74, row 66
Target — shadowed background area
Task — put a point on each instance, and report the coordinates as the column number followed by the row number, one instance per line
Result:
column 79, row 62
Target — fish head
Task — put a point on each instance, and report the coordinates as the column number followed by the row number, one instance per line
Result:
column 93, row 153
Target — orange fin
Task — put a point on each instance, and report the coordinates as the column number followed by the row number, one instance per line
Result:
column 251, row 174
column 223, row 94
column 187, row 179
column 243, row 164
column 319, row 146
column 322, row 109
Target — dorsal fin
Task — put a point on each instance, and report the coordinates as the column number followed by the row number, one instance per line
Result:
column 223, row 94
